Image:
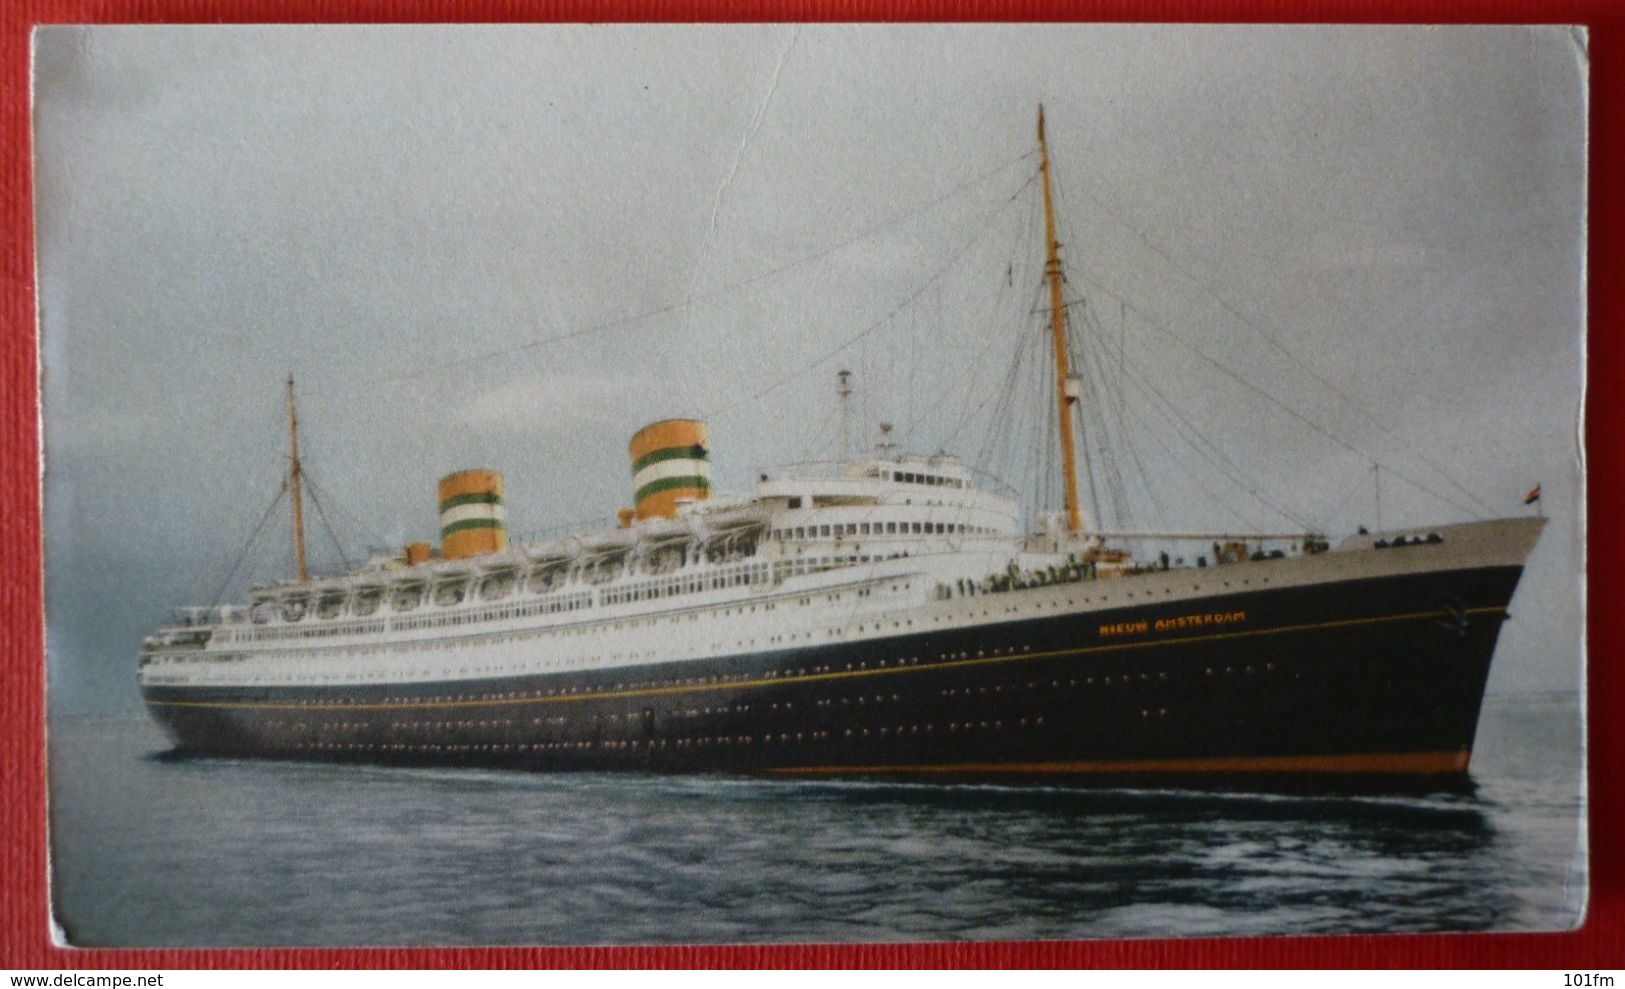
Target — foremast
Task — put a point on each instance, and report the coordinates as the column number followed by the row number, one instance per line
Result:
column 1064, row 399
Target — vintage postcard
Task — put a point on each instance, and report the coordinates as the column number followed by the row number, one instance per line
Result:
column 663, row 484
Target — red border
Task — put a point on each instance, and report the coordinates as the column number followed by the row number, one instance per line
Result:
column 24, row 942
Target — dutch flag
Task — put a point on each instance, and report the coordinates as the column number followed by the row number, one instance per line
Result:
column 1533, row 495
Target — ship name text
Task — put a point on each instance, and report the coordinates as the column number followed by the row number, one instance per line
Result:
column 1120, row 629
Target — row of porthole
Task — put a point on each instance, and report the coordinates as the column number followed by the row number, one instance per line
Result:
column 742, row 739
column 721, row 680
column 1249, row 669
column 860, row 700
column 448, row 725
column 1104, row 680
column 633, row 718
column 637, row 717
column 953, row 727
column 403, row 747
column 980, row 654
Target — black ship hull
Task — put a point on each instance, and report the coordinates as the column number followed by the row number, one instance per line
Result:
column 1374, row 682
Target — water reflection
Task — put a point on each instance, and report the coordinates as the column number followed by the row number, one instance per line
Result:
column 1127, row 858
column 292, row 853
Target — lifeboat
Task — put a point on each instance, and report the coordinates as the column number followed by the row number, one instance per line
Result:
column 559, row 550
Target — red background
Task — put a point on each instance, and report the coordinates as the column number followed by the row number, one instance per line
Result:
column 24, row 926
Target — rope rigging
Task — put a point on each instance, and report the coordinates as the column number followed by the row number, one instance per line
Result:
column 1105, row 436
column 1006, row 295
column 1352, row 402
column 321, row 513
column 1017, row 438
column 1278, row 403
column 981, row 231
column 1110, row 424
column 242, row 554
column 371, row 534
column 1000, row 454
column 683, row 305
column 1181, row 426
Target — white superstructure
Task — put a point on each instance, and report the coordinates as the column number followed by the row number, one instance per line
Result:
column 818, row 547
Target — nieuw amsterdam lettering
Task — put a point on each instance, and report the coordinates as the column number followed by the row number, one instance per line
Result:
column 1173, row 624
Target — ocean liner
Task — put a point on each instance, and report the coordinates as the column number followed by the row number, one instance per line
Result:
column 886, row 615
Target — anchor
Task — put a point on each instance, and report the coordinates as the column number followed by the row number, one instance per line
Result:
column 1453, row 616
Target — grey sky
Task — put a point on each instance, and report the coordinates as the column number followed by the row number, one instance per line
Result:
column 1400, row 209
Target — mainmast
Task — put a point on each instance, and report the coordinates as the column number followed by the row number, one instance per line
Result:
column 1063, row 400
column 296, row 484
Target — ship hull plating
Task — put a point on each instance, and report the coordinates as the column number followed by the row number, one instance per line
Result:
column 1365, row 682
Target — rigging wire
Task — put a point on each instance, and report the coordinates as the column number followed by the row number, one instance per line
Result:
column 1099, row 464
column 242, row 554
column 1112, row 437
column 998, row 431
column 1006, row 288
column 993, row 439
column 994, row 454
column 346, row 516
column 1237, row 314
column 963, row 388
column 981, row 231
column 1236, row 376
column 619, row 322
column 1162, row 513
column 823, row 431
column 1172, row 422
column 1204, row 447
column 1281, row 348
column 1196, row 440
column 1354, row 489
column 321, row 513
column 1195, row 478
column 970, row 372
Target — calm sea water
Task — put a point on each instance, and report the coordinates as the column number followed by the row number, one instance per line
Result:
column 148, row 851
